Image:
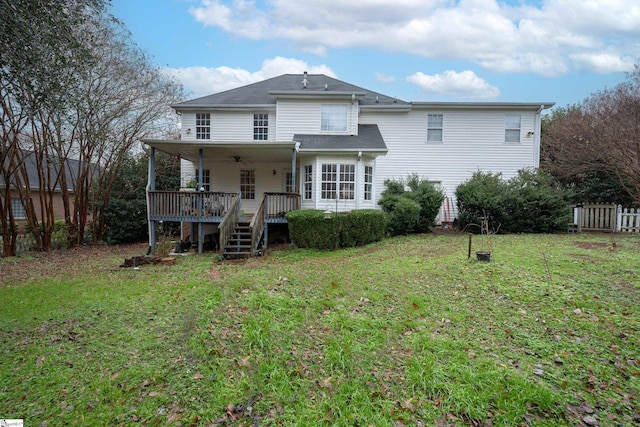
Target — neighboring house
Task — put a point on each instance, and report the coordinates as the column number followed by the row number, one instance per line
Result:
column 310, row 141
column 18, row 205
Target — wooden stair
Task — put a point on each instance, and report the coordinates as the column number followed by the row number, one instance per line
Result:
column 239, row 244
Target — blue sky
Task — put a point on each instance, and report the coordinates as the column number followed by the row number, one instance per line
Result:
column 417, row 50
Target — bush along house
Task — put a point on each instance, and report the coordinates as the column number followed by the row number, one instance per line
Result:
column 309, row 141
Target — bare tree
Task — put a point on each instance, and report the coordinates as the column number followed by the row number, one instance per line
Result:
column 598, row 139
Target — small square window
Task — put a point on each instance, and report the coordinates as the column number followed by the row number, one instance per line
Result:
column 333, row 118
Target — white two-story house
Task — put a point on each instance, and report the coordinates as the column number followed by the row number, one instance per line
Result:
column 309, row 141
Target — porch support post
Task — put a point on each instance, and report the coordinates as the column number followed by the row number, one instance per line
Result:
column 200, row 173
column 294, row 179
column 151, row 186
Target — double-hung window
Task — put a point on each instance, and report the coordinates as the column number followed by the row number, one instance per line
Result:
column 260, row 126
column 333, row 117
column 434, row 128
column 338, row 181
column 19, row 211
column 308, row 182
column 368, row 182
column 203, row 126
column 512, row 123
column 248, row 184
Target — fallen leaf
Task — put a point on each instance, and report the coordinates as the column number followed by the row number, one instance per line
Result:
column 154, row 393
column 198, row 376
column 114, row 376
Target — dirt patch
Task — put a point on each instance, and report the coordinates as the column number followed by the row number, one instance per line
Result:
column 594, row 245
column 65, row 262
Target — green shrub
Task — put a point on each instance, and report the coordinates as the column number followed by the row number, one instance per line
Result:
column 528, row 203
column 481, row 195
column 310, row 228
column 126, row 221
column 535, row 204
column 428, row 196
column 403, row 217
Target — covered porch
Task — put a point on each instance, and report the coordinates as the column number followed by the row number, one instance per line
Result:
column 218, row 204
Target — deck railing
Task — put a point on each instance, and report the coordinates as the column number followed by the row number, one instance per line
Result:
column 230, row 221
column 278, row 204
column 189, row 205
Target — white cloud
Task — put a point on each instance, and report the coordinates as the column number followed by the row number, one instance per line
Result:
column 550, row 39
column 464, row 85
column 202, row 81
column 384, row 78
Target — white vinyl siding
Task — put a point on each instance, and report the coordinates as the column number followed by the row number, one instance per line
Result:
column 304, row 117
column 512, row 126
column 474, row 141
column 434, row 127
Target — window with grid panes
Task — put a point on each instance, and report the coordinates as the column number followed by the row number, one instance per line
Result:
column 512, row 123
column 18, row 209
column 338, row 181
column 248, row 184
column 368, row 182
column 308, row 182
column 434, row 128
column 203, row 126
column 260, row 126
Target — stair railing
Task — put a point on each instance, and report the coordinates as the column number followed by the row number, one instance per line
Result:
column 257, row 224
column 229, row 221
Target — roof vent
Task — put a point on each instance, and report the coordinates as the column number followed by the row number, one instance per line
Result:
column 377, row 100
column 304, row 80
column 326, row 86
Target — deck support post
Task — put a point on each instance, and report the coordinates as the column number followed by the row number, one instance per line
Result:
column 200, row 187
column 151, row 186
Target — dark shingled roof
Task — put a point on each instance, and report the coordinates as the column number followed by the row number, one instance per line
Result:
column 368, row 139
column 259, row 93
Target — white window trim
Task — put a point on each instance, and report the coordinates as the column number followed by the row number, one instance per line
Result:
column 512, row 130
column 203, row 126
column 331, row 116
column 441, row 129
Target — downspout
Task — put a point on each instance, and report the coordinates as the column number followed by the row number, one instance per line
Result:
column 294, row 175
column 359, row 182
column 536, row 138
column 151, row 186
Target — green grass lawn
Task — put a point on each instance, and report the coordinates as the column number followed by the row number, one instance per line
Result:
column 404, row 332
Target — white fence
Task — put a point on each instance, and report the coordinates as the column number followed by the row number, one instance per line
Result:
column 628, row 220
column 601, row 217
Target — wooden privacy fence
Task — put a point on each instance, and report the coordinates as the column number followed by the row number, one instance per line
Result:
column 601, row 217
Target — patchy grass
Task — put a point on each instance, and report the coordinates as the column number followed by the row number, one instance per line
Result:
column 404, row 332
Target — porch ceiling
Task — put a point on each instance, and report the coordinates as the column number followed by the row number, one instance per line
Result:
column 245, row 152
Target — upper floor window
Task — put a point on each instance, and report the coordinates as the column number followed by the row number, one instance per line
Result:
column 368, row 182
column 203, row 126
column 512, row 128
column 308, row 182
column 434, row 128
column 333, row 118
column 260, row 126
